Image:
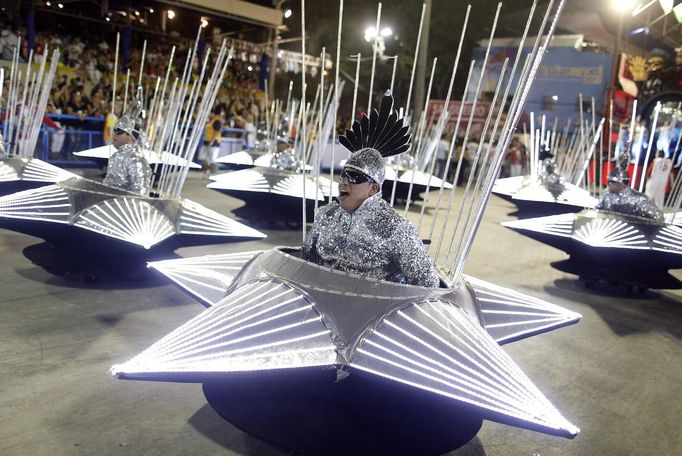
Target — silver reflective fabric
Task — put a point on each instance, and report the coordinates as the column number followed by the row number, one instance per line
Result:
column 129, row 119
column 630, row 202
column 129, row 170
column 369, row 162
column 552, row 181
column 374, row 241
column 285, row 160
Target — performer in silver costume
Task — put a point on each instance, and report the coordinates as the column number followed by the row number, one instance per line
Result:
column 128, row 168
column 361, row 233
column 552, row 181
column 286, row 160
column 625, row 200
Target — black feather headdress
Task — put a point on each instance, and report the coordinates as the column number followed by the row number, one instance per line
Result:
column 382, row 131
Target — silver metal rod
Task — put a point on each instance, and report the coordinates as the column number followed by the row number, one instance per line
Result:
column 423, row 124
column 444, row 112
column 480, row 151
column 113, row 91
column 332, row 163
column 518, row 103
column 159, row 138
column 318, row 155
column 374, row 60
column 125, row 96
column 608, row 153
column 303, row 126
column 460, row 159
column 144, row 52
column 414, row 63
column 595, row 140
column 652, row 131
column 471, row 114
column 355, row 88
column 395, row 64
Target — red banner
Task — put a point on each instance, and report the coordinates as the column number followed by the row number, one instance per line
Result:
column 435, row 109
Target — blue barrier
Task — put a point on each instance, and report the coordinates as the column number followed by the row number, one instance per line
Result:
column 57, row 146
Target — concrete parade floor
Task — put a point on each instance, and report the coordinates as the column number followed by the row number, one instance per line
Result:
column 616, row 374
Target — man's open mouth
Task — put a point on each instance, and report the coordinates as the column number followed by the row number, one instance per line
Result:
column 343, row 193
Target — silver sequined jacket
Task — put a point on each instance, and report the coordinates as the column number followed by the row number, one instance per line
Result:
column 629, row 201
column 128, row 169
column 374, row 241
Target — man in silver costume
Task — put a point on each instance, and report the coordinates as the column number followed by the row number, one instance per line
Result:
column 128, row 168
column 361, row 233
column 552, row 180
column 623, row 199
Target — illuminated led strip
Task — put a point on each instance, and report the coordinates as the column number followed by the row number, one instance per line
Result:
column 206, row 277
column 611, row 233
column 293, row 186
column 421, row 178
column 668, row 239
column 437, row 347
column 169, row 159
column 674, row 218
column 128, row 219
column 578, row 197
column 237, row 158
column 197, row 219
column 246, row 179
column 534, row 192
column 558, row 225
column 263, row 160
column 50, row 203
column 509, row 315
column 262, row 325
column 38, row 170
column 7, row 173
column 508, row 185
column 572, row 195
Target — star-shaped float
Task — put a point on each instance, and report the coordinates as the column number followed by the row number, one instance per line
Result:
column 532, row 197
column 81, row 215
column 153, row 158
column 24, row 173
column 271, row 314
column 274, row 193
column 249, row 158
column 610, row 247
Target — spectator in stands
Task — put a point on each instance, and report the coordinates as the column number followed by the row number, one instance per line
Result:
column 212, row 138
column 8, row 41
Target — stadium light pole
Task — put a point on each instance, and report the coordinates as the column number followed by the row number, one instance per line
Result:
column 272, row 74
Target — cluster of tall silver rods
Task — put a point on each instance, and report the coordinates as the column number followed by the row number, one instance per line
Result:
column 518, row 100
column 304, row 120
column 186, row 116
column 652, row 129
column 406, row 108
column 575, row 151
column 337, row 97
column 495, row 138
column 157, row 112
column 675, row 196
column 27, row 97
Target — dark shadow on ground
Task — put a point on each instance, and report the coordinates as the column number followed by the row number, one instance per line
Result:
column 628, row 314
column 209, row 424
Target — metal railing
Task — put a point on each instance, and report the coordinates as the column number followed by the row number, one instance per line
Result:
column 57, row 146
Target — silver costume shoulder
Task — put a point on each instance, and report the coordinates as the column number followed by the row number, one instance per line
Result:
column 374, row 241
column 129, row 170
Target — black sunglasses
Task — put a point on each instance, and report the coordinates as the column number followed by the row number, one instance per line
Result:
column 118, row 131
column 355, row 177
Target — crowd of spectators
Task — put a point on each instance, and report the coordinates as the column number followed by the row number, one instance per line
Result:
column 83, row 85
